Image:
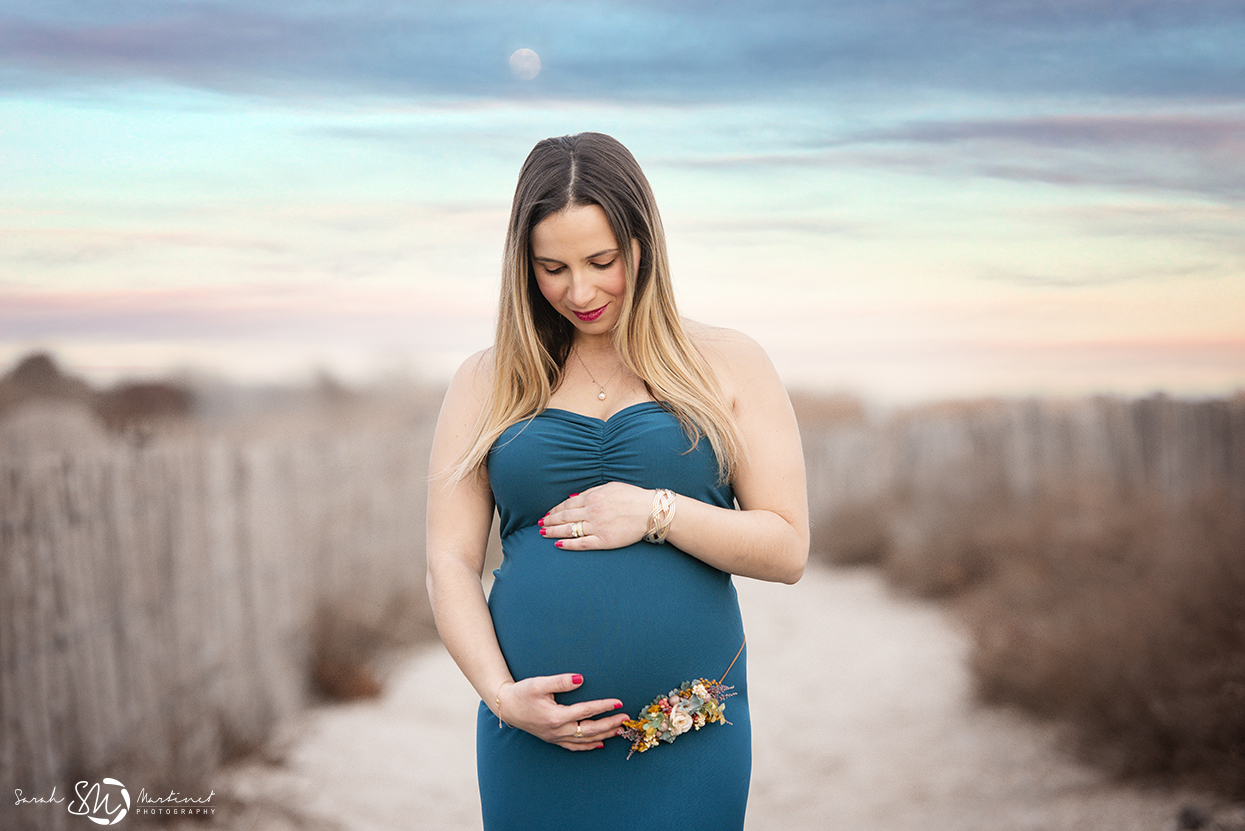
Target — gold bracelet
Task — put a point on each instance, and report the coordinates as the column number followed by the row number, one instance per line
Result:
column 661, row 517
column 497, row 698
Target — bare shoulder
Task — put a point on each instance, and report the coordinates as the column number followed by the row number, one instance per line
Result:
column 464, row 401
column 477, row 371
column 737, row 360
column 470, row 387
column 718, row 340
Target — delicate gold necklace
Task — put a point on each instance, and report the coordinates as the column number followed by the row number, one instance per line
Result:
column 600, row 386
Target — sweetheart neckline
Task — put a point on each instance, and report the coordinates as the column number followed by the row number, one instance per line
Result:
column 605, row 421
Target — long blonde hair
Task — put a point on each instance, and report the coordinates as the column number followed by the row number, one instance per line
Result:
column 534, row 341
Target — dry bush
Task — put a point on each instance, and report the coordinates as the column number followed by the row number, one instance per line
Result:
column 846, row 524
column 138, row 409
column 350, row 647
column 818, row 410
column 1128, row 620
column 853, row 535
column 941, row 548
column 1096, row 546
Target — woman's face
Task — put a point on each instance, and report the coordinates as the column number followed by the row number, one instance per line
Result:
column 579, row 267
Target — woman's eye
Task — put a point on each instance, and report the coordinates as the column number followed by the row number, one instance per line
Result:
column 554, row 271
column 603, row 266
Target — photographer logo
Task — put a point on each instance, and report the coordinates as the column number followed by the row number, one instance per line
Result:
column 94, row 802
column 108, row 802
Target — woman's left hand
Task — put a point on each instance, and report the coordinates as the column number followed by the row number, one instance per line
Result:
column 613, row 515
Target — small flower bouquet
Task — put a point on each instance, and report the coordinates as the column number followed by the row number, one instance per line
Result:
column 690, row 707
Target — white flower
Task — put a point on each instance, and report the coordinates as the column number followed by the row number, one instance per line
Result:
column 680, row 722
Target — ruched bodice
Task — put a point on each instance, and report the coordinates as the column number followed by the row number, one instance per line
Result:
column 634, row 621
column 636, row 445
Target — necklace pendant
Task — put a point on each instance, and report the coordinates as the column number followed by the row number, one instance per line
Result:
column 601, row 395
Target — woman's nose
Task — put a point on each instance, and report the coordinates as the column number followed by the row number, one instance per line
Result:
column 582, row 290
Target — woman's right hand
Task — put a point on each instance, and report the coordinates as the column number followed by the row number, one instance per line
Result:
column 529, row 705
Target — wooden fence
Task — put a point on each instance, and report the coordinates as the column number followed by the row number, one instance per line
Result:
column 911, row 462
column 163, row 604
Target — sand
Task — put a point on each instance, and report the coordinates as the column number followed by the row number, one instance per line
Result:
column 862, row 714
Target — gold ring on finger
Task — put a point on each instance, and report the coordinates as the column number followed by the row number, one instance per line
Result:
column 579, row 734
column 577, row 530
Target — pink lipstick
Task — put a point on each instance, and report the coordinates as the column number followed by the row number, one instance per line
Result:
column 588, row 317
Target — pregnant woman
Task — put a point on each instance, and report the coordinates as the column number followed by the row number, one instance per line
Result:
column 636, row 460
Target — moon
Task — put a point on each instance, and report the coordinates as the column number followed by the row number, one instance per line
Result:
column 524, row 64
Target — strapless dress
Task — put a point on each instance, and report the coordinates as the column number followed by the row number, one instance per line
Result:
column 635, row 622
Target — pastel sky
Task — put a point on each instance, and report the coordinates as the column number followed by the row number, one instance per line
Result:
column 907, row 199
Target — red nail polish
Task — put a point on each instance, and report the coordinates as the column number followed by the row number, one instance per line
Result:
column 541, row 523
column 599, row 746
column 558, row 544
column 618, row 706
column 574, row 494
column 577, row 679
column 543, row 532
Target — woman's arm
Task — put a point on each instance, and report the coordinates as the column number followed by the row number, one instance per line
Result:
column 459, row 517
column 768, row 538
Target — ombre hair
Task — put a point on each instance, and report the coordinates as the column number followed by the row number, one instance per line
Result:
column 533, row 341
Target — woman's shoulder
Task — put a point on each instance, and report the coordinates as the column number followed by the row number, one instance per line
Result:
column 478, row 365
column 473, row 380
column 726, row 347
column 736, row 359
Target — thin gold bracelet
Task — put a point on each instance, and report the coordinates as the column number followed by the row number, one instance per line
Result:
column 497, row 698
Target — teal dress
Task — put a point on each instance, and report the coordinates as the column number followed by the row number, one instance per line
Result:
column 635, row 622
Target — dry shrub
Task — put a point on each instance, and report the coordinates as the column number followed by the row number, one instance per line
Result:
column 139, row 409
column 1128, row 620
column 352, row 642
column 845, row 524
column 853, row 535
column 818, row 410
column 940, row 549
column 1097, row 548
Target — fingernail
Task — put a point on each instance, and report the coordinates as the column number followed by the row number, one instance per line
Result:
column 574, row 494
column 543, row 532
column 541, row 523
column 558, row 544
column 577, row 679
column 618, row 706
column 599, row 746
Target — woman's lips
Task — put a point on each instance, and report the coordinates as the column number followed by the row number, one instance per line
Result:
column 588, row 317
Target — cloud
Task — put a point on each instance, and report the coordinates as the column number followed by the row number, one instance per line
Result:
column 1190, row 153
column 1185, row 132
column 59, row 247
column 303, row 49
column 1082, row 280
column 755, row 230
column 226, row 311
column 1216, row 228
column 680, row 51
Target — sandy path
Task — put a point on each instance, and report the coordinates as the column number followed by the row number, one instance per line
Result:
column 861, row 717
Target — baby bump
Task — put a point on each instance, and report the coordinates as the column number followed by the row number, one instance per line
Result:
column 634, row 621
